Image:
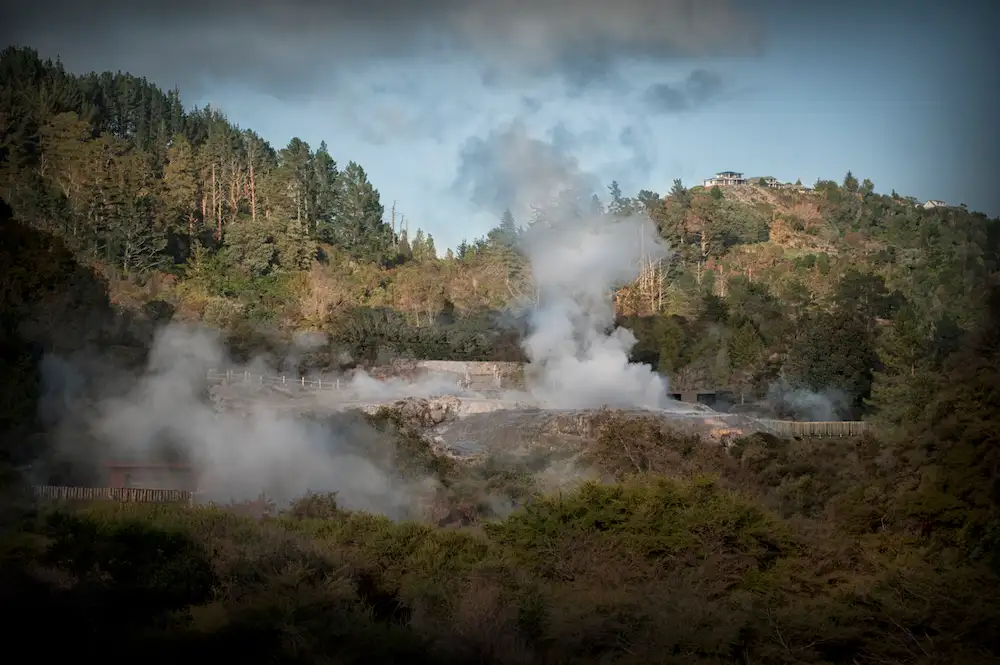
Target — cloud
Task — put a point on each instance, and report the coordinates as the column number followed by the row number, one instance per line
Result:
column 700, row 88
column 286, row 47
column 383, row 116
column 531, row 104
column 510, row 169
column 637, row 139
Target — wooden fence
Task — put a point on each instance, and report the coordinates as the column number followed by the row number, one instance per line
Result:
column 288, row 381
column 125, row 494
column 299, row 382
column 817, row 429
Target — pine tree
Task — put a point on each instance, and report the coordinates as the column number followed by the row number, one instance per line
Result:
column 508, row 229
column 850, row 183
column 680, row 194
column 619, row 206
column 361, row 232
column 297, row 179
column 867, row 188
column 908, row 376
column 324, row 187
column 418, row 246
column 506, row 234
column 180, row 180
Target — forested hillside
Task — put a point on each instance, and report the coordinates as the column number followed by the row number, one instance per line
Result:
column 837, row 290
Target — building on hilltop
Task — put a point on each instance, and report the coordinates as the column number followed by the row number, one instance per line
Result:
column 731, row 178
column 934, row 203
column 726, row 179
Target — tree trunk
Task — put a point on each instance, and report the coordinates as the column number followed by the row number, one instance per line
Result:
column 393, row 217
column 234, row 189
column 253, row 193
column 215, row 208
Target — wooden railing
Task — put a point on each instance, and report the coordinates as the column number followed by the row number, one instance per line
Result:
column 288, row 381
column 301, row 382
column 125, row 494
column 818, row 428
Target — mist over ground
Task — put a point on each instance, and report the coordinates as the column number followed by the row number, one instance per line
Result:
column 237, row 455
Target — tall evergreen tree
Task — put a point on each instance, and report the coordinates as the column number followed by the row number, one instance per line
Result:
column 361, row 230
column 908, row 376
column 325, row 183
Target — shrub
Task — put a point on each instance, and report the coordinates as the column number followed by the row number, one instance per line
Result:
column 315, row 506
column 151, row 570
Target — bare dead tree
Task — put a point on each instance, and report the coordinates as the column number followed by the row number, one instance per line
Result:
column 392, row 217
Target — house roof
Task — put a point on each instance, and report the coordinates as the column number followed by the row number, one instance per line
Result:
column 728, row 173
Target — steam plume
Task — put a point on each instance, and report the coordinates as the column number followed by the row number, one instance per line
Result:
column 238, row 455
column 578, row 255
column 576, row 262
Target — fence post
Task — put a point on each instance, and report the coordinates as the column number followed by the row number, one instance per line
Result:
column 282, row 379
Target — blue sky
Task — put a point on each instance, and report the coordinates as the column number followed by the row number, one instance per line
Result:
column 904, row 94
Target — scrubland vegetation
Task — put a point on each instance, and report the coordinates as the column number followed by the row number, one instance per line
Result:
column 878, row 550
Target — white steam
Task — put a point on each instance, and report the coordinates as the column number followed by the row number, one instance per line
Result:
column 240, row 455
column 581, row 361
column 579, row 255
column 808, row 405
